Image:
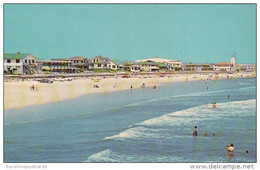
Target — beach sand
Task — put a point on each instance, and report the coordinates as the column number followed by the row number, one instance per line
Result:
column 18, row 94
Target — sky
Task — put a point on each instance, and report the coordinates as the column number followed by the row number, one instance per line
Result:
column 196, row 33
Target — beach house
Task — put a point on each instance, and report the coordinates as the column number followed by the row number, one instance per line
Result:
column 99, row 63
column 132, row 66
column 19, row 63
column 79, row 62
column 114, row 64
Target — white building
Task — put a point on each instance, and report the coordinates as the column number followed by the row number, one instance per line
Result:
column 222, row 67
column 79, row 62
column 149, row 66
column 98, row 62
column 17, row 63
column 171, row 64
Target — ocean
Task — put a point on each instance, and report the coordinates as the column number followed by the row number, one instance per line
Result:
column 142, row 125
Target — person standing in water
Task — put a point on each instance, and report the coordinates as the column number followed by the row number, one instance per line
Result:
column 195, row 131
column 230, row 149
column 228, row 97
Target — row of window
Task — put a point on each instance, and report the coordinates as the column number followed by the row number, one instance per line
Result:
column 18, row 61
column 77, row 61
column 11, row 67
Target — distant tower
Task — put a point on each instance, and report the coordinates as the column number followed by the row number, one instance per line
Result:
column 233, row 59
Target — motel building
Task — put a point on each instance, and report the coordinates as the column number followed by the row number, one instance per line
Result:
column 56, row 66
column 223, row 67
column 18, row 63
column 197, row 67
column 149, row 66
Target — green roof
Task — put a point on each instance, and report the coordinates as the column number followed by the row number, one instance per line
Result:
column 15, row 55
column 161, row 65
column 147, row 63
column 117, row 62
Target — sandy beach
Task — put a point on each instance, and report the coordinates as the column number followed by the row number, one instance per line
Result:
column 17, row 94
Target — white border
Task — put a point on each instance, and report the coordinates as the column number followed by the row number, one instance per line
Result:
column 107, row 166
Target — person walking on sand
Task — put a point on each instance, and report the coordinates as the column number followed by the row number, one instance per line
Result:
column 195, row 131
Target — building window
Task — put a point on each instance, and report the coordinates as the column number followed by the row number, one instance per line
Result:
column 8, row 61
column 25, row 61
column 99, row 65
column 17, row 66
column 114, row 66
column 82, row 61
column 32, row 61
column 17, row 61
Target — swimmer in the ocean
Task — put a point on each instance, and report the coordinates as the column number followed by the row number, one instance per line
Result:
column 230, row 149
column 195, row 131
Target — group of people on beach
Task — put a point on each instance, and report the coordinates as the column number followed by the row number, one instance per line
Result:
column 33, row 88
column 96, row 86
column 115, row 86
column 143, row 86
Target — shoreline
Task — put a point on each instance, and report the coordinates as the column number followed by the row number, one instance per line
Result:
column 18, row 94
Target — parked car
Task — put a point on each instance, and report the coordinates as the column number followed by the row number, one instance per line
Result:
column 125, row 76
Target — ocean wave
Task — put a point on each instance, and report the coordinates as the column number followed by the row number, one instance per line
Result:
column 134, row 133
column 187, row 95
column 170, row 97
column 110, row 156
column 142, row 130
column 104, row 156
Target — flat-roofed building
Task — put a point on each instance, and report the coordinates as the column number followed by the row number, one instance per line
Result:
column 56, row 66
column 246, row 67
column 222, row 67
column 171, row 64
column 197, row 67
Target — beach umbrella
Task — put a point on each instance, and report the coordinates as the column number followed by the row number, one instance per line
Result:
column 46, row 69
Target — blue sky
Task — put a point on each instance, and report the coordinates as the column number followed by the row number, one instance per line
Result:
column 207, row 33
